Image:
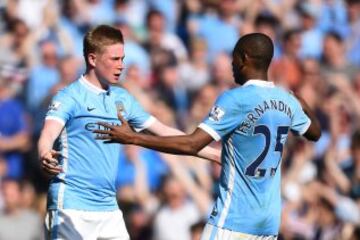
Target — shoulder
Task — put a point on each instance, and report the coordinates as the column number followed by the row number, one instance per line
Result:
column 72, row 90
column 71, row 94
column 234, row 95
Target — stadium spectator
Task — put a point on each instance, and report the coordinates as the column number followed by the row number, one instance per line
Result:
column 17, row 222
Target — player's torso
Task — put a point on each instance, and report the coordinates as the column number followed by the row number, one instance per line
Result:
column 90, row 166
column 249, row 198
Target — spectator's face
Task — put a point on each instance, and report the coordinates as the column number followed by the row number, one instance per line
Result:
column 293, row 44
column 68, row 70
column 28, row 196
column 49, row 56
column 12, row 195
column 156, row 27
column 332, row 48
column 21, row 31
column 227, row 7
column 268, row 30
column 108, row 64
column 308, row 22
column 170, row 76
column 174, row 193
column 222, row 69
column 353, row 10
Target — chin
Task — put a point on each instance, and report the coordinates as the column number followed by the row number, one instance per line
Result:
column 113, row 81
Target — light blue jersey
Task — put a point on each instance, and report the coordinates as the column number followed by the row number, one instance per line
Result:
column 253, row 123
column 90, row 166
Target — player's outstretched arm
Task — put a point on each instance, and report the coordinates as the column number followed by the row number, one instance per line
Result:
column 160, row 129
column 314, row 131
column 184, row 144
column 48, row 156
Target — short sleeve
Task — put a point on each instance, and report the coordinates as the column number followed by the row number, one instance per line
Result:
column 223, row 117
column 62, row 108
column 300, row 122
column 138, row 117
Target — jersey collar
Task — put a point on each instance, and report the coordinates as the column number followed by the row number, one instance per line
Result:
column 260, row 83
column 91, row 86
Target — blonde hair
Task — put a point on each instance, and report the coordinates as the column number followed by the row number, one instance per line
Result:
column 99, row 37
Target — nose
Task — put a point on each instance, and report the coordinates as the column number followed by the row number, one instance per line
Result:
column 121, row 64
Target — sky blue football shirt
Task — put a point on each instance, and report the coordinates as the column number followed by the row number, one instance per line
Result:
column 253, row 123
column 90, row 166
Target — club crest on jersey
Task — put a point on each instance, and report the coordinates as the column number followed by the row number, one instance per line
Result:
column 54, row 106
column 120, row 108
column 216, row 113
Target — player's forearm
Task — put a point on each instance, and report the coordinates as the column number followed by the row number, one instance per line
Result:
column 45, row 143
column 314, row 131
column 208, row 153
column 175, row 145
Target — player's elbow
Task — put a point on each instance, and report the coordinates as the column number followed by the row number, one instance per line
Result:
column 317, row 136
column 313, row 135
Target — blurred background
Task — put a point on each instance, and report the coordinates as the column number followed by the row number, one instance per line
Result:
column 178, row 59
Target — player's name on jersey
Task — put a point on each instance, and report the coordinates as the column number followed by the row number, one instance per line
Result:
column 261, row 109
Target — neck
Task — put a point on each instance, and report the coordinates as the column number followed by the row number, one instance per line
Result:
column 91, row 76
column 256, row 75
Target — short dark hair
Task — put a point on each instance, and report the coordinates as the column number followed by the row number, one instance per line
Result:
column 269, row 20
column 289, row 34
column 151, row 13
column 334, row 35
column 258, row 47
column 99, row 37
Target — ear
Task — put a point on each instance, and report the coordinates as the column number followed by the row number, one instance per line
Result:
column 92, row 59
column 245, row 58
column 240, row 60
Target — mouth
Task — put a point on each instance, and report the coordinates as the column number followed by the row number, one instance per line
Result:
column 117, row 75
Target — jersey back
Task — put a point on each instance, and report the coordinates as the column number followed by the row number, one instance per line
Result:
column 90, row 166
column 253, row 123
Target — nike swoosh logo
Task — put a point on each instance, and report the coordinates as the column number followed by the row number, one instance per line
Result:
column 90, row 109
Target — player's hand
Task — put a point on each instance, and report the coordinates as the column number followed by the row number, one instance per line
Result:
column 116, row 134
column 50, row 164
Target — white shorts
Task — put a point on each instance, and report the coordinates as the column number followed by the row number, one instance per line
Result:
column 85, row 225
column 212, row 232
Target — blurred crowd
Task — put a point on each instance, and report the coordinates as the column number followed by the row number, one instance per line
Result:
column 178, row 59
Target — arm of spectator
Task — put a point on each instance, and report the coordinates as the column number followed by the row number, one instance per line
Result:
column 161, row 129
column 335, row 172
column 17, row 142
column 52, row 22
column 200, row 196
column 200, row 170
column 280, row 9
column 252, row 9
column 48, row 156
column 140, row 183
column 348, row 94
column 303, row 153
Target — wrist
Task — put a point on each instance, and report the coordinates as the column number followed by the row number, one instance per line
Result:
column 133, row 139
column 42, row 153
